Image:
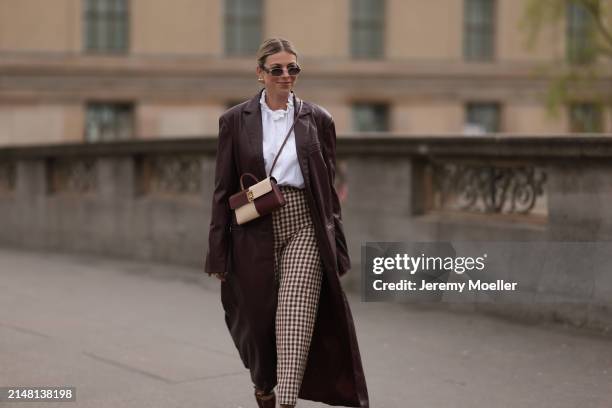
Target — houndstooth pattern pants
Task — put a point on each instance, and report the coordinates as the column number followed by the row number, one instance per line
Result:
column 298, row 274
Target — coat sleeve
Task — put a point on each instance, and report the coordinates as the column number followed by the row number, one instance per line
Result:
column 329, row 148
column 226, row 182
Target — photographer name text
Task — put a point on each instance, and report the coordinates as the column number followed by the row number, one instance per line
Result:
column 477, row 285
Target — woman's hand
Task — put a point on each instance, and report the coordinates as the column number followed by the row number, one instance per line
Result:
column 220, row 276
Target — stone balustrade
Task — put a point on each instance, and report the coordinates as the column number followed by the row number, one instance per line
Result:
column 151, row 199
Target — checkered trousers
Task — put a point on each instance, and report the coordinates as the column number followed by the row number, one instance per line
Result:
column 298, row 273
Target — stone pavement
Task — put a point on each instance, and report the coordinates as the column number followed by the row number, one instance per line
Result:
column 134, row 334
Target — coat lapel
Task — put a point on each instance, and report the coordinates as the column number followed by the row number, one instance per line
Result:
column 254, row 130
column 302, row 139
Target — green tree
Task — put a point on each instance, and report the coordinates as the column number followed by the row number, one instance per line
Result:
column 588, row 48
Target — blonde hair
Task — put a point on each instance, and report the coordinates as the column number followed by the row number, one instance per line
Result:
column 272, row 46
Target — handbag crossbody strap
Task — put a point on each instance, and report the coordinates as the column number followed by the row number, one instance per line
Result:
column 286, row 137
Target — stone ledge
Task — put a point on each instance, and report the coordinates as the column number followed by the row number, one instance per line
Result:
column 501, row 146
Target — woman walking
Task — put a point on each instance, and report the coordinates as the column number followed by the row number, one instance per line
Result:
column 284, row 307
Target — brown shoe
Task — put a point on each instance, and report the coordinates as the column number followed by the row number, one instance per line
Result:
column 265, row 400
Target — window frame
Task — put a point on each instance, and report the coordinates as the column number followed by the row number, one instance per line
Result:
column 235, row 47
column 115, row 108
column 579, row 35
column 597, row 113
column 384, row 111
column 470, row 106
column 475, row 34
column 364, row 23
column 101, row 33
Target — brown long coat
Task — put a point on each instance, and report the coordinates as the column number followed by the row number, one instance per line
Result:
column 334, row 374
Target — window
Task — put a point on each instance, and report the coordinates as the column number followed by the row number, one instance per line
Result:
column 369, row 117
column 580, row 34
column 243, row 21
column 109, row 121
column 106, row 25
column 367, row 28
column 482, row 117
column 586, row 118
column 479, row 30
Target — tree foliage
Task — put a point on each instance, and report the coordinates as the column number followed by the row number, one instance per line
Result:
column 586, row 61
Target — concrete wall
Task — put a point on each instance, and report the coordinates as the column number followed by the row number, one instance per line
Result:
column 167, row 120
column 533, row 118
column 177, row 27
column 121, row 216
column 511, row 37
column 31, row 25
column 175, row 68
column 409, row 37
column 46, row 122
column 37, row 122
column 196, row 27
column 420, row 117
column 318, row 28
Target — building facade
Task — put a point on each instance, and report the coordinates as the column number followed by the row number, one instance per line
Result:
column 95, row 70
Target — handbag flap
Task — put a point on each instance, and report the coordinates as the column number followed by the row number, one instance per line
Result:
column 247, row 195
column 261, row 188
